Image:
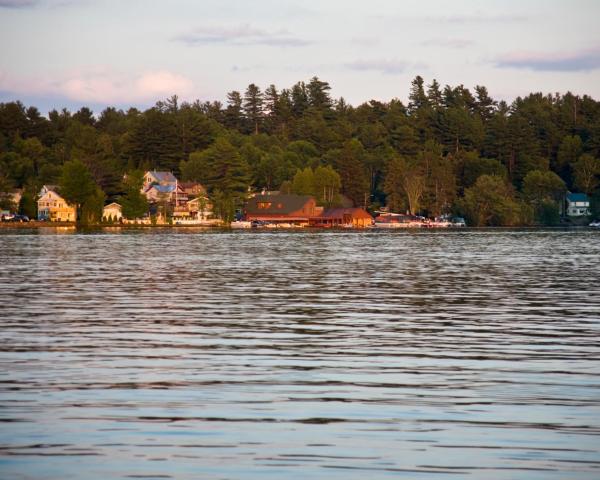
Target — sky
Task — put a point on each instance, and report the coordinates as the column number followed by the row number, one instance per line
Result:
column 98, row 53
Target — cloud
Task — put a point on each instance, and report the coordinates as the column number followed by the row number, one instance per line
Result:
column 102, row 86
column 366, row 41
column 389, row 66
column 25, row 4
column 18, row 3
column 478, row 18
column 581, row 61
column 448, row 42
column 239, row 35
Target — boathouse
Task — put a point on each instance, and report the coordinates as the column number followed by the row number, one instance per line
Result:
column 343, row 217
column 282, row 208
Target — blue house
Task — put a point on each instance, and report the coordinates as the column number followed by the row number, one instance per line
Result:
column 578, row 204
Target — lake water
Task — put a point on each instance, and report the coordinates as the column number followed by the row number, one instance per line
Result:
column 345, row 355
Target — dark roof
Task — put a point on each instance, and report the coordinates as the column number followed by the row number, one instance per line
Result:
column 192, row 185
column 49, row 188
column 163, row 188
column 279, row 204
column 166, row 177
column 340, row 212
column 577, row 197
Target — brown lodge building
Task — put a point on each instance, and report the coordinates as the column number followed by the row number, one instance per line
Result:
column 303, row 210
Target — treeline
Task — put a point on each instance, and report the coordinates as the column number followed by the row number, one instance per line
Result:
column 449, row 149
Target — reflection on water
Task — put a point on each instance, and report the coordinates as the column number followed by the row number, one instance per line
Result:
column 161, row 354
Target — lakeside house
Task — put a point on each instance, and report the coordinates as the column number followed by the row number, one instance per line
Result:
column 302, row 210
column 192, row 189
column 184, row 201
column 158, row 178
column 282, row 208
column 112, row 211
column 198, row 208
column 577, row 204
column 343, row 217
column 160, row 193
column 54, row 208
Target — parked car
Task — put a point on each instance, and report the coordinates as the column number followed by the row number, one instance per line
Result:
column 18, row 218
column 7, row 217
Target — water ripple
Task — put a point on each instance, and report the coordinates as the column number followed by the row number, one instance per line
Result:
column 179, row 354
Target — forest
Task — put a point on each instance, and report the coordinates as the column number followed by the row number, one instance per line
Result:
column 447, row 150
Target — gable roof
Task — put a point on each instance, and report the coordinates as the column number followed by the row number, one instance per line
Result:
column 163, row 177
column 50, row 192
column 112, row 205
column 279, row 204
column 577, row 197
column 162, row 188
column 48, row 188
column 197, row 200
column 340, row 212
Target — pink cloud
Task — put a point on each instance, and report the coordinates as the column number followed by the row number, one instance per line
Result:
column 574, row 61
column 163, row 83
column 101, row 85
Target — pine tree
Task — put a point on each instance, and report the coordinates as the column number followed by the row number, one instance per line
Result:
column 253, row 106
column 233, row 112
column 318, row 94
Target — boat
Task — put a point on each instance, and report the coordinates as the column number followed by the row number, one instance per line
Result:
column 388, row 220
column 397, row 220
column 240, row 224
column 595, row 224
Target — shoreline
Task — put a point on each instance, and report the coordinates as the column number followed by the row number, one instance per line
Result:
column 100, row 226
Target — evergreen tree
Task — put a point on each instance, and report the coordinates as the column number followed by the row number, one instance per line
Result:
column 77, row 185
column 484, row 104
column 253, row 106
column 233, row 112
column 350, row 164
column 299, row 99
column 154, row 141
column 434, row 94
column 417, row 97
column 227, row 171
column 318, row 94
column 134, row 204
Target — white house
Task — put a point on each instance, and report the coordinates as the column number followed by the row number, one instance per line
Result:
column 158, row 178
column 160, row 193
column 53, row 207
column 578, row 204
column 112, row 211
column 197, row 209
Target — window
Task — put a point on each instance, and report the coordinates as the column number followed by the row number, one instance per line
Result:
column 264, row 205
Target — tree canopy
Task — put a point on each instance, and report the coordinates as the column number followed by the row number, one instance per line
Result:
column 425, row 156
